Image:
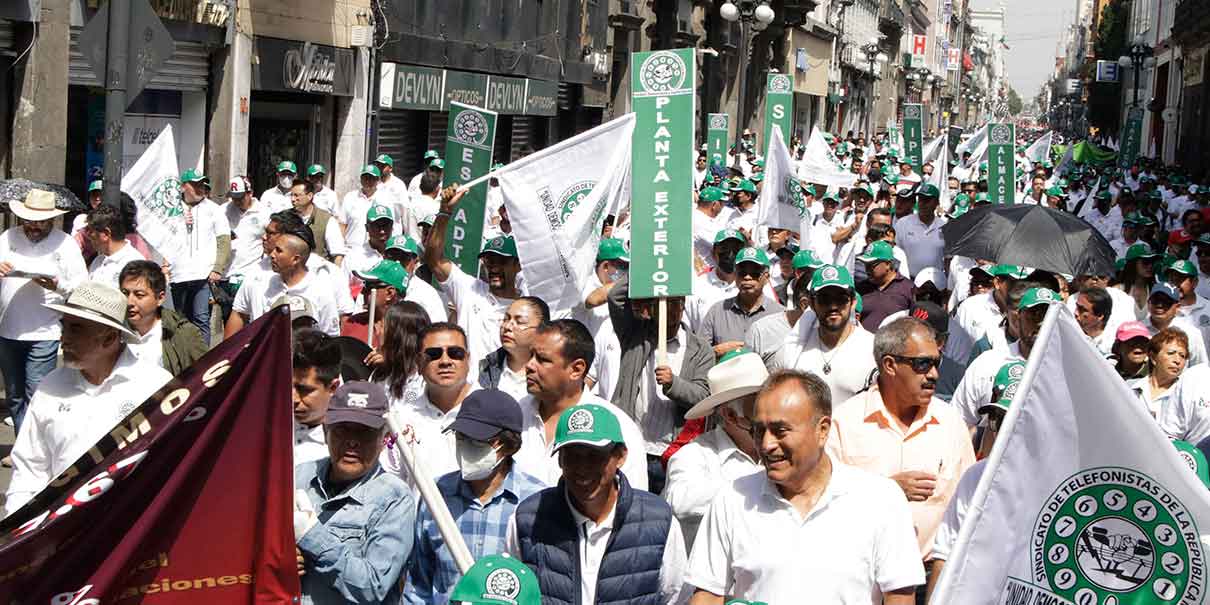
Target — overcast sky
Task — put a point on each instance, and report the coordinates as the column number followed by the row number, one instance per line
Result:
column 1033, row 28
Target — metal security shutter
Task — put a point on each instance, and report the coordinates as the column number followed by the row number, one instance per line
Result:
column 187, row 70
column 401, row 135
column 523, row 134
column 8, row 40
column 438, row 121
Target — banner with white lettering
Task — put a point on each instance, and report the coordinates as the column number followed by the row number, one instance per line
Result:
column 716, row 137
column 1083, row 499
column 1002, row 163
column 154, row 184
column 779, row 107
column 557, row 200
column 661, row 222
column 913, row 135
column 781, row 203
column 470, row 139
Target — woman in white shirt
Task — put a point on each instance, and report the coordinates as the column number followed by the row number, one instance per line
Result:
column 1167, row 356
column 504, row 368
column 396, row 361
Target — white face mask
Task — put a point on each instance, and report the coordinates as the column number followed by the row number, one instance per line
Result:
column 476, row 459
column 285, row 182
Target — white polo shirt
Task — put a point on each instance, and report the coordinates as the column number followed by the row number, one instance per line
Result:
column 149, row 347
column 327, row 200
column 106, row 268
column 923, row 244
column 479, row 312
column 1198, row 314
column 246, row 227
column 276, row 200
column 975, row 389
column 196, row 260
column 256, row 298
column 353, row 216
column 1185, row 414
column 846, row 369
column 977, row 315
column 698, row 471
column 425, row 295
column 23, row 315
column 434, row 447
column 854, row 546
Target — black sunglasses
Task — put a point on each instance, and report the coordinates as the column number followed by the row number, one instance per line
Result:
column 920, row 365
column 435, row 353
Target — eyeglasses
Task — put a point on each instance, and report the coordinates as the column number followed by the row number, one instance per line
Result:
column 920, row 365
column 435, row 353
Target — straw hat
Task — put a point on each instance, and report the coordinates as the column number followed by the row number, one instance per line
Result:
column 739, row 373
column 97, row 302
column 39, row 205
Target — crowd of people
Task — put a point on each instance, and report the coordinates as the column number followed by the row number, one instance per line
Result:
column 837, row 382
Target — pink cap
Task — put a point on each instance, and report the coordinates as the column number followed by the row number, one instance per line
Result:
column 1132, row 329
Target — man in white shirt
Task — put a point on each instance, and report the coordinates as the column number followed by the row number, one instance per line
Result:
column 718, row 283
column 980, row 319
column 277, row 197
column 290, row 278
column 316, row 375
column 246, row 221
column 828, row 342
column 379, row 225
column 704, row 466
column 205, row 257
column 750, row 545
column 920, row 233
column 434, row 165
column 106, row 231
column 356, row 204
column 38, row 265
column 706, row 221
column 1163, row 311
column 325, row 198
column 423, row 203
column 596, row 504
column 1093, row 309
column 1194, row 307
column 76, row 405
column 405, row 251
column 391, row 185
column 162, row 336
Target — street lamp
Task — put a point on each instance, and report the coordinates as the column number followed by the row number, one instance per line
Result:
column 873, row 55
column 1141, row 55
column 753, row 15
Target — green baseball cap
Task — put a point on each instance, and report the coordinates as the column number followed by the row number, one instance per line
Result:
column 501, row 245
column 315, row 169
column 864, row 188
column 437, row 163
column 745, row 185
column 287, row 166
column 385, row 159
column 497, row 580
column 805, row 259
column 431, row 154
column 1103, row 195
column 830, row 196
column 759, row 163
column 1036, row 297
column 1203, row 239
column 983, row 198
column 403, row 243
column 96, row 185
column 807, row 189
column 757, row 177
column 1194, row 458
column 587, row 424
column 497, row 166
column 962, row 199
column 831, row 276
column 1009, row 271
column 1140, row 250
column 711, row 194
column 1004, row 387
column 612, row 248
column 891, row 179
column 752, row 255
column 929, row 190
column 726, row 234
column 1054, row 191
column 1183, row 267
column 192, row 176
column 388, row 272
column 371, row 170
column 877, row 251
column 378, row 212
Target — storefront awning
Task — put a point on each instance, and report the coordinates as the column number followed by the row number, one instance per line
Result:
column 403, row 86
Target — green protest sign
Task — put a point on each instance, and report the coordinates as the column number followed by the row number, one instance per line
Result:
column 779, row 108
column 1001, row 164
column 1132, row 139
column 913, row 136
column 468, row 156
column 716, row 138
column 661, row 223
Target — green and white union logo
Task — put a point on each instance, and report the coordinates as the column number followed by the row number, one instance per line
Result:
column 502, row 585
column 663, row 71
column 794, row 194
column 1117, row 539
column 718, row 122
column 911, row 112
column 1001, row 134
column 779, row 84
column 570, row 199
column 580, row 421
column 470, row 127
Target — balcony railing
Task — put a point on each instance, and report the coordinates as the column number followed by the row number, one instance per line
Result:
column 891, row 14
column 205, row 12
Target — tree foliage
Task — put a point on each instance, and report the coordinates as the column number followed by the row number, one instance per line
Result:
column 1015, row 105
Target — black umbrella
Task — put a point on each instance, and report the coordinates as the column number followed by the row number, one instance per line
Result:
column 16, row 189
column 1031, row 236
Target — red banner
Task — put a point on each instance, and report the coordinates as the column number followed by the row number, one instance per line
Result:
column 187, row 500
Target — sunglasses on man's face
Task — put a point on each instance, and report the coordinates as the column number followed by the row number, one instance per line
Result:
column 920, row 365
column 435, row 353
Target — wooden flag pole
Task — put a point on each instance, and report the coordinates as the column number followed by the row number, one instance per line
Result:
column 661, row 347
column 370, row 328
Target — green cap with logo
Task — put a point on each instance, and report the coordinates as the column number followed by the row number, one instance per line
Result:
column 612, row 248
column 745, row 186
column 497, row 580
column 287, row 166
column 726, row 234
column 1009, row 271
column 587, row 424
column 371, row 170
column 711, row 194
column 403, row 243
column 437, row 163
column 877, row 251
column 379, row 212
column 1004, row 387
column 1037, row 297
column 501, row 245
column 192, row 176
column 929, row 190
column 805, row 259
column 385, row 160
column 1183, row 267
column 315, row 169
column 864, row 188
column 829, row 276
column 1054, row 191
column 1194, row 459
column 96, row 185
column 757, row 177
column 388, row 272
column 752, row 255
column 431, row 154
column 1140, row 250
column 983, row 198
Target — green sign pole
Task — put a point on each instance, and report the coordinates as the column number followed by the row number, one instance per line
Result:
column 1001, row 166
column 468, row 156
column 779, row 108
column 661, row 223
column 1133, row 139
column 913, row 136
column 716, row 138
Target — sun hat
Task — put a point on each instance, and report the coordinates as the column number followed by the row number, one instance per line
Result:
column 805, row 259
column 1165, row 289
column 98, row 303
column 404, row 243
column 726, row 234
column 38, row 205
column 1140, row 250
column 371, row 170
column 316, row 169
column 587, row 424
column 1004, row 386
column 737, row 374
column 378, row 212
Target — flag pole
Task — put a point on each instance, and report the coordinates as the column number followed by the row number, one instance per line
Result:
column 661, row 347
column 370, row 327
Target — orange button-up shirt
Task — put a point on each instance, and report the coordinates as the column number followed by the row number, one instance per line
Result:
column 864, row 434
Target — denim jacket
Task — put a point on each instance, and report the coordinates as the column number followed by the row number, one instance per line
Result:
column 357, row 551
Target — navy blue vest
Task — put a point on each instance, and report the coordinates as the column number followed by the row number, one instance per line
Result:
column 630, row 570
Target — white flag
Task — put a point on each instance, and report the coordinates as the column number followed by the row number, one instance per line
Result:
column 155, row 186
column 932, row 150
column 820, row 165
column 781, row 203
column 557, row 200
column 1083, row 497
column 1040, row 150
column 977, row 138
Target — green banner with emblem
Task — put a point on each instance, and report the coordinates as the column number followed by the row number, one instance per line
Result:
column 779, row 108
column 661, row 222
column 1001, row 163
column 913, row 136
column 1132, row 140
column 717, row 128
column 468, row 156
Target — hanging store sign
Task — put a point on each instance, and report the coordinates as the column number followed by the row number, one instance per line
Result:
column 429, row 89
column 291, row 66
